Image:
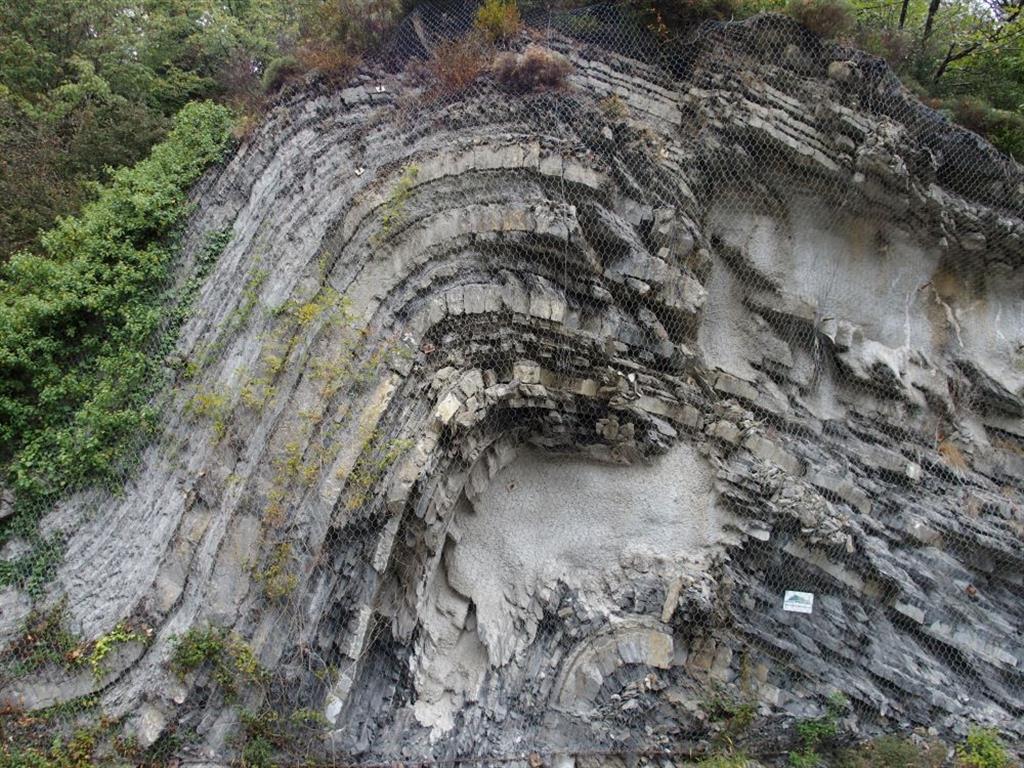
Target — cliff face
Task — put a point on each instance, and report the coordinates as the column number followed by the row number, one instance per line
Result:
column 505, row 421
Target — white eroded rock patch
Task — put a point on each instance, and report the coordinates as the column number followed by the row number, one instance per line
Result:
column 546, row 520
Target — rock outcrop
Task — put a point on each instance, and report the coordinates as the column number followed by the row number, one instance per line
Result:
column 504, row 422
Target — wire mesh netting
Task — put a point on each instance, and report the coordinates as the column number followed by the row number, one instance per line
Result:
column 553, row 392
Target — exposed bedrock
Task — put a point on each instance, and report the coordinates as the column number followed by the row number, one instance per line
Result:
column 505, row 422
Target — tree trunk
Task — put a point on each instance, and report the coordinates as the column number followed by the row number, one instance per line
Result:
column 933, row 8
column 903, row 13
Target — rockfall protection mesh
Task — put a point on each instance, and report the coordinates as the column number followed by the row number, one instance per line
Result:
column 562, row 396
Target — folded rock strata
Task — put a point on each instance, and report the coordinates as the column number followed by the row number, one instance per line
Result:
column 505, row 422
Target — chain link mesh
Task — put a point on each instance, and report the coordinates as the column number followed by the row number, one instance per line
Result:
column 531, row 374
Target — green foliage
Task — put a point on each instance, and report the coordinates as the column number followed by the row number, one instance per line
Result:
column 279, row 71
column 85, row 86
column 213, row 407
column 159, row 754
column 88, row 85
column 277, row 580
column 216, row 242
column 805, row 758
column 498, row 19
column 376, row 458
column 725, row 761
column 944, row 51
column 76, row 324
column 982, row 749
column 1004, row 128
column 76, row 752
column 84, row 328
column 44, row 640
column 394, row 206
column 312, row 718
column 263, row 733
column 815, row 732
column 893, row 752
column 104, row 644
column 734, row 717
column 229, row 659
column 355, row 25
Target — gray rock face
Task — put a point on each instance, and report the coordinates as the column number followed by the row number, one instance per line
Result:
column 509, row 420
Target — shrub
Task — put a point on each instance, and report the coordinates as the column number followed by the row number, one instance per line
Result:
column 78, row 324
column 536, row 69
column 457, row 64
column 827, row 18
column 229, row 658
column 614, row 107
column 353, row 25
column 331, row 61
column 982, row 749
column 971, row 112
column 893, row 752
column 77, row 752
column 1005, row 129
column 896, row 46
column 279, row 71
column 1007, row 133
column 813, row 733
column 498, row 19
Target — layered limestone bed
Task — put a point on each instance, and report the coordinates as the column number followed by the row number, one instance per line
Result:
column 505, row 421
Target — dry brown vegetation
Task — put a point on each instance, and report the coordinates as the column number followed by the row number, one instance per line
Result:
column 828, row 18
column 536, row 69
column 953, row 456
column 457, row 64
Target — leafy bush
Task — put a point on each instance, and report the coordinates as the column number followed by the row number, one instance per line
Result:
column 498, row 19
column 536, row 69
column 279, row 71
column 78, row 324
column 1006, row 132
column 827, row 18
column 815, row 732
column 982, row 749
column 230, row 660
column 1005, row 129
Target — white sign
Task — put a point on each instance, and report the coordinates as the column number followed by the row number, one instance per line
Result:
column 798, row 602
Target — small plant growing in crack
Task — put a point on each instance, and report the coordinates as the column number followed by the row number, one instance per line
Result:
column 104, row 644
column 394, row 206
column 230, row 660
column 813, row 733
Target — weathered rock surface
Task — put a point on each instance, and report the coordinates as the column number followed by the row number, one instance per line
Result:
column 506, row 422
